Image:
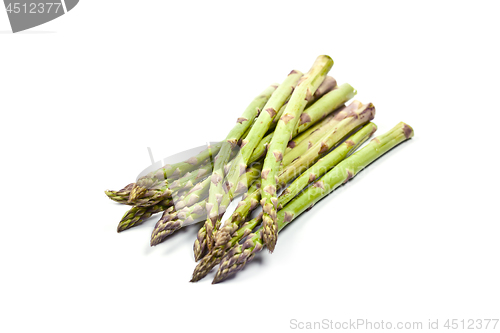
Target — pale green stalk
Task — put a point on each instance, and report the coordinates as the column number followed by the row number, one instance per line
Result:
column 171, row 172
column 241, row 254
column 217, row 205
column 137, row 215
column 227, row 236
column 324, row 106
column 353, row 116
column 242, row 124
column 284, row 133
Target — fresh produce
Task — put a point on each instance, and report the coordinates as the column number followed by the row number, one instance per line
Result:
column 324, row 164
column 172, row 220
column 200, row 248
column 275, row 100
column 353, row 116
column 294, row 144
column 283, row 133
column 191, row 178
column 230, row 239
column 179, row 217
column 323, row 107
column 136, row 215
column 162, row 176
column 232, row 232
column 241, row 254
column 122, row 195
column 328, row 85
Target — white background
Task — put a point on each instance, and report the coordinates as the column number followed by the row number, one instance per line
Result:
column 414, row 237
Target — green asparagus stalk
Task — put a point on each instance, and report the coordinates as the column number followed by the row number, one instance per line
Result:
column 326, row 163
column 171, row 221
column 153, row 195
column 122, row 195
column 226, row 237
column 290, row 169
column 328, row 85
column 242, row 124
column 318, row 130
column 176, row 218
column 163, row 190
column 251, row 175
column 191, row 178
column 240, row 255
column 241, row 139
column 300, row 145
column 137, row 215
column 215, row 205
column 249, row 202
column 320, row 109
column 324, row 106
column 353, row 116
column 171, row 172
column 193, row 196
column 198, row 189
column 284, row 133
column 214, row 257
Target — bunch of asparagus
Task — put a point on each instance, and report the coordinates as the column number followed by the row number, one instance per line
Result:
column 293, row 145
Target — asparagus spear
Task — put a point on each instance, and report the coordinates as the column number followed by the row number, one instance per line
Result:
column 355, row 115
column 283, row 133
column 215, row 205
column 324, row 106
column 198, row 191
column 122, row 195
column 171, row 172
column 317, row 130
column 251, row 175
column 231, row 239
column 326, row 163
column 163, row 190
column 227, row 236
column 289, row 173
column 242, row 124
column 239, row 255
column 285, row 176
column 137, row 215
column 328, row 85
column 191, row 178
column 172, row 220
column 153, row 195
column 300, row 145
column 193, row 186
